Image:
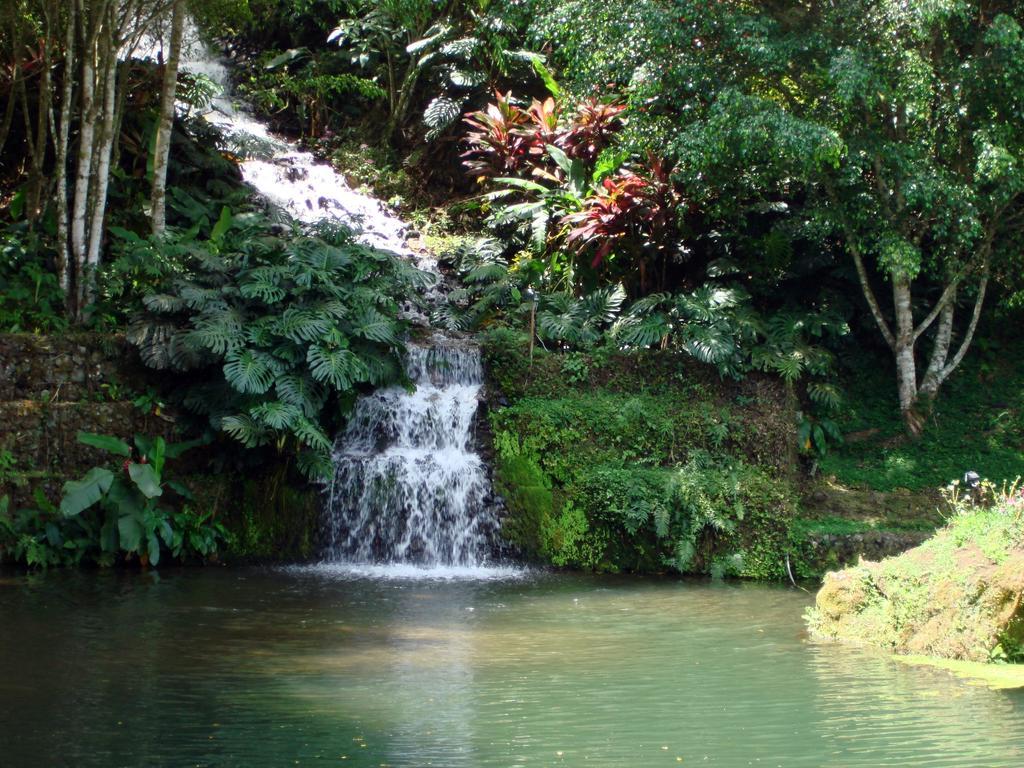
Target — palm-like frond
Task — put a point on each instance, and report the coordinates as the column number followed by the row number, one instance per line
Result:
column 246, row 430
column 250, row 371
column 369, row 323
column 275, row 414
column 219, row 331
column 301, row 325
column 301, row 391
column 338, row 367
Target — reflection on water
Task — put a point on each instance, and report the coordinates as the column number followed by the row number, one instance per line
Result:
column 300, row 666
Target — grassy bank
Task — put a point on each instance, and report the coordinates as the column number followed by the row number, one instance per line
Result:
column 976, row 424
column 957, row 596
column 641, row 463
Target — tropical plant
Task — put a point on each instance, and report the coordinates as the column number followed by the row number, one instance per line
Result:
column 639, row 211
column 457, row 52
column 271, row 330
column 714, row 324
column 122, row 510
column 489, row 288
column 579, row 322
column 31, row 298
column 312, row 88
column 506, row 139
column 133, row 523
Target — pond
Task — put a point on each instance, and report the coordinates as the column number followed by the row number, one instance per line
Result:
column 321, row 665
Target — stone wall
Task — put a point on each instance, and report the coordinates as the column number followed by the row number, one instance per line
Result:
column 52, row 388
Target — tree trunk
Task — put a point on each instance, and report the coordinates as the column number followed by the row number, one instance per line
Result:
column 903, row 349
column 63, row 141
column 163, row 134
column 940, row 351
column 83, row 176
column 103, row 154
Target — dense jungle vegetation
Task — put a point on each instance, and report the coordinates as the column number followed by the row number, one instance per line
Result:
column 820, row 205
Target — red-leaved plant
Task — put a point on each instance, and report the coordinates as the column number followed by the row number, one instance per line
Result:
column 497, row 148
column 640, row 208
column 506, row 140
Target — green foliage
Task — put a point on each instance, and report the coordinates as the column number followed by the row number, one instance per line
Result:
column 312, row 87
column 442, row 55
column 121, row 511
column 954, row 596
column 271, row 331
column 31, row 299
column 977, row 425
column 614, row 479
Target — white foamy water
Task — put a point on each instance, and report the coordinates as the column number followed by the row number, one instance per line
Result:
column 409, row 486
column 286, row 176
column 410, row 572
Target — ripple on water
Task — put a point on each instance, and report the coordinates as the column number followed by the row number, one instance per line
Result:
column 410, row 572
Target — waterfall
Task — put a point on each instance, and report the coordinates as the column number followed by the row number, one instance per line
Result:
column 408, row 486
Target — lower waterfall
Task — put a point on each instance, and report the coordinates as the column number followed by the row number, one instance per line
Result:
column 408, row 485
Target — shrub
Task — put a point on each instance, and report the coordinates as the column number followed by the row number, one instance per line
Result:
column 273, row 332
column 129, row 509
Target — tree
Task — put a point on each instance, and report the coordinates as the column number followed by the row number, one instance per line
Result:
column 72, row 70
column 162, row 151
column 892, row 130
column 903, row 123
column 927, row 102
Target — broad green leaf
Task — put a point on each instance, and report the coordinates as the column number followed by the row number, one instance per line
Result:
column 153, row 549
column 124, row 498
column 174, row 450
column 82, row 494
column 106, row 443
column 180, row 489
column 108, row 536
column 224, row 223
column 249, row 371
column 130, row 532
column 546, row 77
column 146, row 478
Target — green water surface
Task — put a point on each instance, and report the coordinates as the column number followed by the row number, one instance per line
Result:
column 284, row 667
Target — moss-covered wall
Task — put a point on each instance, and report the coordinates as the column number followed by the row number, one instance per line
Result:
column 646, row 463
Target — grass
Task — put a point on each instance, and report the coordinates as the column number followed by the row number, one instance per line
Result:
column 977, row 424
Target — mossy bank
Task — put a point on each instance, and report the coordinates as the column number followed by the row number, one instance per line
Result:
column 960, row 595
column 645, row 462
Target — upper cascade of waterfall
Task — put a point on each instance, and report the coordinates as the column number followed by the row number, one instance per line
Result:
column 286, row 176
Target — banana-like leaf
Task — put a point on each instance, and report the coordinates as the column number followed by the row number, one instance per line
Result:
column 81, row 494
column 105, row 442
